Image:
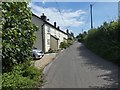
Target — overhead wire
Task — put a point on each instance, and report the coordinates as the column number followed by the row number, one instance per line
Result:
column 60, row 12
column 84, row 10
column 94, row 3
column 87, row 20
column 43, row 6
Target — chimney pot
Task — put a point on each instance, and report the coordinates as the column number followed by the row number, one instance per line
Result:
column 67, row 31
column 55, row 24
column 58, row 27
column 43, row 17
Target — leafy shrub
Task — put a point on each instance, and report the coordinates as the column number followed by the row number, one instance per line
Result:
column 17, row 33
column 69, row 42
column 12, row 81
column 63, row 45
column 81, row 36
column 50, row 51
column 20, row 77
column 32, row 73
column 105, row 41
column 79, row 40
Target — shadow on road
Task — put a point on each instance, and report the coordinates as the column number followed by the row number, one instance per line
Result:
column 99, row 63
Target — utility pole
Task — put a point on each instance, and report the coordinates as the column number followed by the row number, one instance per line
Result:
column 82, row 30
column 91, row 16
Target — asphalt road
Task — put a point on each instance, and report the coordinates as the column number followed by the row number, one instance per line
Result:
column 77, row 67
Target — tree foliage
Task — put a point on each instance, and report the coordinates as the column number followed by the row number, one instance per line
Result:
column 67, row 43
column 22, row 76
column 105, row 40
column 17, row 33
column 81, row 36
column 63, row 45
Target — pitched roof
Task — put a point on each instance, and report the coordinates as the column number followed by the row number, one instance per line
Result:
column 54, row 37
column 49, row 24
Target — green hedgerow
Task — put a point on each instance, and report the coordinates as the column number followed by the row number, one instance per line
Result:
column 20, row 77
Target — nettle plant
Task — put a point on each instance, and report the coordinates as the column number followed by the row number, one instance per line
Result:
column 17, row 33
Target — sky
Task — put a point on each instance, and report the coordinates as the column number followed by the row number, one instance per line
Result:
column 75, row 16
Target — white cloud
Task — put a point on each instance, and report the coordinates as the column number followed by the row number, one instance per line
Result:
column 43, row 1
column 67, row 18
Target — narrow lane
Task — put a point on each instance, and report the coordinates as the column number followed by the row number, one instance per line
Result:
column 77, row 67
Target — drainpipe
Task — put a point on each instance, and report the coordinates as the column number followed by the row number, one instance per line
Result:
column 43, row 38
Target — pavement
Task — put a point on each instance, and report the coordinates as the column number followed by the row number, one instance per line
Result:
column 77, row 67
column 47, row 58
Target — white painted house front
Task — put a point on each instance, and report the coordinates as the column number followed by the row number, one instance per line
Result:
column 48, row 36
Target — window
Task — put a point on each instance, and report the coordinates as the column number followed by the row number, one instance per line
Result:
column 48, row 41
column 49, row 30
column 59, row 34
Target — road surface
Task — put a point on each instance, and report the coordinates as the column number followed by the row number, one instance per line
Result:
column 77, row 67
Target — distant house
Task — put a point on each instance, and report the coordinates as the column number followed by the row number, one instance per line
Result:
column 48, row 36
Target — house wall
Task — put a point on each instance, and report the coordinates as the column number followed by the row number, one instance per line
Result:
column 38, row 41
column 53, row 32
column 58, row 34
column 62, row 37
column 48, row 30
column 47, row 38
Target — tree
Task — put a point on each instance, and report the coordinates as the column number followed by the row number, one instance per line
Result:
column 17, row 33
column 72, row 34
column 0, row 19
column 63, row 45
column 81, row 36
column 105, row 41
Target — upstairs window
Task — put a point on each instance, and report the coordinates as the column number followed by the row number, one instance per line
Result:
column 48, row 30
column 48, row 41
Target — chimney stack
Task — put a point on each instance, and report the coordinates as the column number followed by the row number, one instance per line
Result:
column 67, row 31
column 55, row 24
column 58, row 27
column 43, row 17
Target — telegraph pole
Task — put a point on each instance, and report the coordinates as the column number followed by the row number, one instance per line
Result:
column 82, row 30
column 91, row 16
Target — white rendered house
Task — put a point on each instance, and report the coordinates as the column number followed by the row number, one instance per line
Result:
column 48, row 36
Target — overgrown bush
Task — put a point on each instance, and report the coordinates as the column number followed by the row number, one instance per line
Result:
column 105, row 41
column 21, row 76
column 81, row 36
column 53, row 51
column 63, row 45
column 70, row 41
column 17, row 33
column 50, row 51
column 17, row 40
